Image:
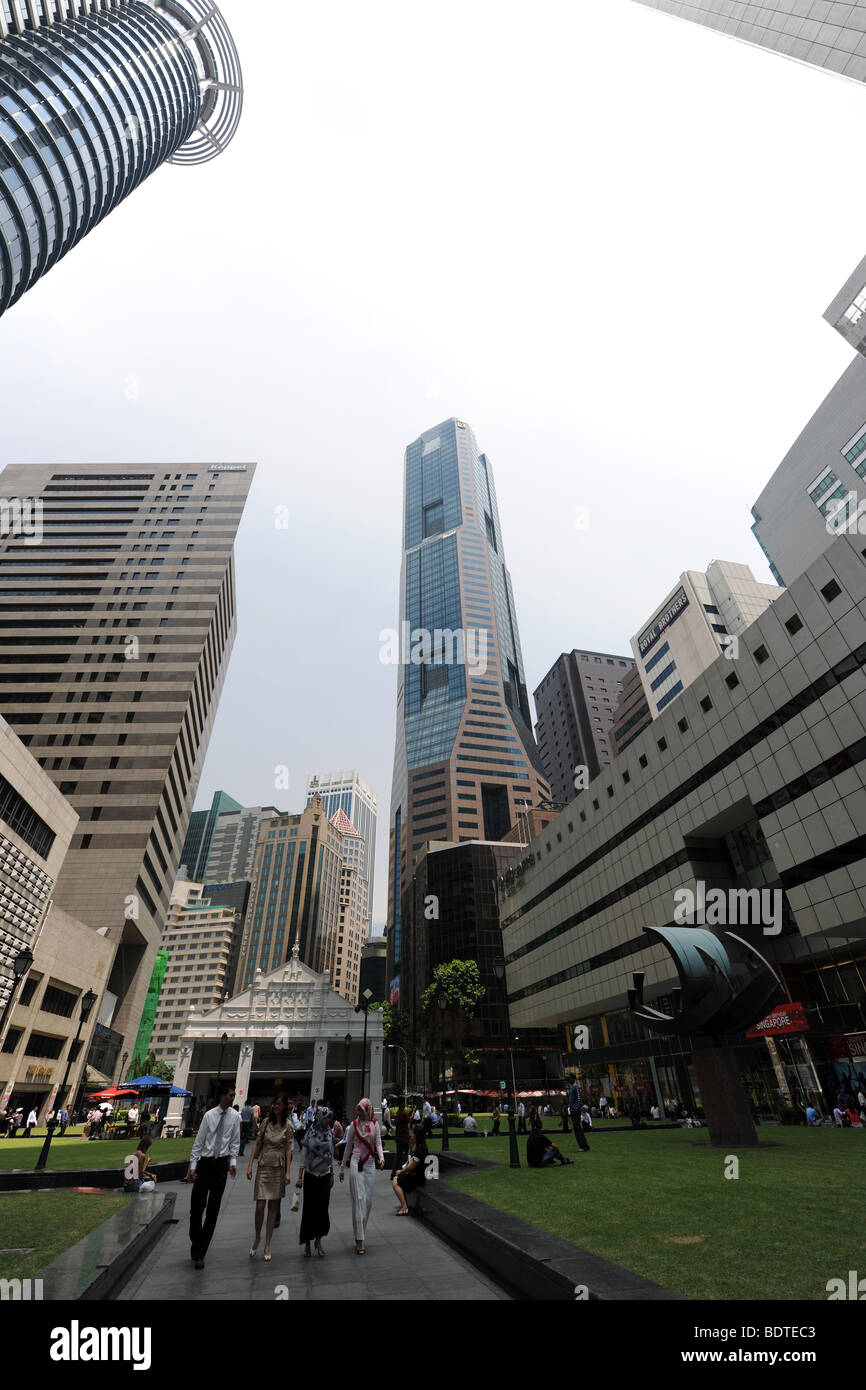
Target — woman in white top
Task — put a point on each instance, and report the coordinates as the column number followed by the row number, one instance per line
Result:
column 363, row 1154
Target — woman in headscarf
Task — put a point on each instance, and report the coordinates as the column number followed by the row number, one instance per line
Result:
column 363, row 1154
column 317, row 1160
column 273, row 1149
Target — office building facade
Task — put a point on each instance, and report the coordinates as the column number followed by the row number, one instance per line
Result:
column 341, row 955
column 465, row 760
column 115, row 634
column 632, row 712
column 201, row 938
column 96, row 95
column 232, row 852
column 754, row 780
column 575, row 704
column 199, row 836
column 349, row 793
column 700, row 617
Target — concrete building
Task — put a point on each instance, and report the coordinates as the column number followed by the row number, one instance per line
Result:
column 754, row 779
column 575, row 704
column 37, row 825
column 99, row 94
column 349, row 793
column 631, row 714
column 295, row 895
column 285, row 1033
column 232, row 852
column 693, row 624
column 465, row 759
column 115, row 635
column 341, row 955
column 201, row 937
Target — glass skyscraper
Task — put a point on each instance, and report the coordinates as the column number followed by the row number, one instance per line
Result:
column 95, row 95
column 466, row 762
column 349, row 793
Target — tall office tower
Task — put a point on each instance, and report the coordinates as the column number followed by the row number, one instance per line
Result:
column 465, row 761
column 295, row 895
column 97, row 94
column 825, row 35
column 341, row 954
column 201, row 938
column 575, row 704
column 631, row 714
column 196, row 846
column 115, row 635
column 693, row 625
column 349, row 793
column 232, row 853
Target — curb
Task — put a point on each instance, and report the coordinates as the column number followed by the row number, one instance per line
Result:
column 96, row 1267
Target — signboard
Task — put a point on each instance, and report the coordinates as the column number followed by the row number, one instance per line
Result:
column 395, row 990
column 652, row 634
column 503, row 1086
column 785, row 1018
column 227, row 468
column 851, row 1045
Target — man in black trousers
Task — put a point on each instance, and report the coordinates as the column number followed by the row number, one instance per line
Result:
column 214, row 1155
column 574, row 1112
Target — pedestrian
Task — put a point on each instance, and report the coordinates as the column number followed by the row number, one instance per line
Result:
column 62, row 1118
column 574, row 1110
column 214, row 1156
column 136, row 1177
column 496, row 1119
column 246, row 1125
column 273, row 1149
column 386, row 1116
column 401, row 1133
column 533, row 1115
column 412, row 1175
column 427, row 1117
column 257, row 1119
column 541, row 1152
column 363, row 1155
column 521, row 1118
column 31, row 1121
column 563, row 1117
column 317, row 1161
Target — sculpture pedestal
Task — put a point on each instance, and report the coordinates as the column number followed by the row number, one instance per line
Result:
column 726, row 1106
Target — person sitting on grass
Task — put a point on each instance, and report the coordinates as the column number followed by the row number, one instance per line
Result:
column 541, row 1152
column 470, row 1125
column 136, row 1178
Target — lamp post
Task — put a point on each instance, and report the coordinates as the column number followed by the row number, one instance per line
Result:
column 123, row 1067
column 20, row 966
column 87, row 1002
column 223, row 1040
column 347, row 1043
column 395, row 1047
column 442, row 1001
column 513, row 1151
column 366, row 996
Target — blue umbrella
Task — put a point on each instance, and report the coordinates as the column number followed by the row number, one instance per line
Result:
column 149, row 1083
column 179, row 1091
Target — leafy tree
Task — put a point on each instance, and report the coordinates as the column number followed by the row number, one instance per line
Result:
column 460, row 982
column 395, row 1022
column 154, row 1066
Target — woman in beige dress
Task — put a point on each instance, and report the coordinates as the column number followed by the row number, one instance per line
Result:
column 273, row 1149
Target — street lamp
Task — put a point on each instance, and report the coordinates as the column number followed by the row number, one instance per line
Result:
column 347, row 1043
column 442, row 1001
column 366, row 996
column 87, row 1002
column 395, row 1047
column 513, row 1151
column 20, row 966
column 223, row 1040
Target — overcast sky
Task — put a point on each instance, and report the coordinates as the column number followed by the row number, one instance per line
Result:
column 601, row 236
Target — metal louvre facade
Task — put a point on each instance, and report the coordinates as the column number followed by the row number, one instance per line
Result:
column 94, row 96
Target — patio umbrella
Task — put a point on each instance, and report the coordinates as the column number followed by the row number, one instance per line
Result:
column 149, row 1083
column 179, row 1091
column 113, row 1093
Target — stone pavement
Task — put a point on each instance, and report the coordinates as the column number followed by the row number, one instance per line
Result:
column 404, row 1260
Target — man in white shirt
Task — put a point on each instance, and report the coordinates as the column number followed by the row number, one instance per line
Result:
column 214, row 1155
column 31, row 1121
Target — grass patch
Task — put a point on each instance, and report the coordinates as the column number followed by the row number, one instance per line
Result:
column 85, row 1153
column 660, row 1204
column 46, row 1224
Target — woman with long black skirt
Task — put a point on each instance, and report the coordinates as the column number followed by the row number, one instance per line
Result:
column 316, row 1179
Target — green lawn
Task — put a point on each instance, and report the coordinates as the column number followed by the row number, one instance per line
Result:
column 46, row 1224
column 86, row 1153
column 660, row 1204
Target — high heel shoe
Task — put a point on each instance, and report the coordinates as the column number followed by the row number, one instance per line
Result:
column 253, row 1250
column 267, row 1255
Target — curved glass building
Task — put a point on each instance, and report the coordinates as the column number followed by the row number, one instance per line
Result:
column 95, row 95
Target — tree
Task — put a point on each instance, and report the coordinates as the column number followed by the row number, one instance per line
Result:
column 154, row 1066
column 460, row 982
column 395, row 1023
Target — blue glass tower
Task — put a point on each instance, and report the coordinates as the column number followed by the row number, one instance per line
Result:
column 466, row 764
column 94, row 96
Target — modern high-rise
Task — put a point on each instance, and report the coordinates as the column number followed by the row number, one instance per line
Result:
column 631, row 714
column 818, row 32
column 349, row 793
column 466, row 761
column 341, row 955
column 96, row 95
column 295, row 897
column 201, row 938
column 115, row 635
column 575, row 703
column 199, row 836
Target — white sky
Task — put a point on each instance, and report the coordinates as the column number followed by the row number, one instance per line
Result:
column 603, row 237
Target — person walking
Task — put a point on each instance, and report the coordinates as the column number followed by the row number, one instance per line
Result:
column 62, row 1118
column 214, row 1156
column 31, row 1122
column 246, row 1125
column 317, row 1162
column 386, row 1117
column 497, row 1116
column 574, row 1110
column 521, row 1118
column 273, row 1149
column 401, row 1133
column 363, row 1154
column 413, row 1172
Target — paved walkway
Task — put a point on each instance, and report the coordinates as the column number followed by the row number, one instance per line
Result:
column 404, row 1260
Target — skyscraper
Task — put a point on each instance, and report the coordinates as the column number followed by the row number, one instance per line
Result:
column 349, row 793
column 465, row 761
column 115, row 635
column 199, row 836
column 575, row 702
column 816, row 32
column 94, row 96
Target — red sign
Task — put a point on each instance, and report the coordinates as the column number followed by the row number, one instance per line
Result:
column 856, row 1043
column 785, row 1018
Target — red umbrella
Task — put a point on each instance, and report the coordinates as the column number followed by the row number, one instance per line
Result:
column 113, row 1093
